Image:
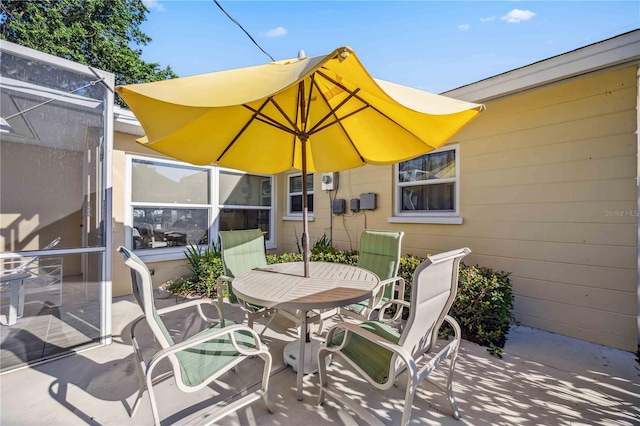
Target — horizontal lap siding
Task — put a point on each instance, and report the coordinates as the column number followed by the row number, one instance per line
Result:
column 549, row 193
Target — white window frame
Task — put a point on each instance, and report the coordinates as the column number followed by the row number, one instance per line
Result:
column 297, row 216
column 214, row 207
column 435, row 217
column 270, row 243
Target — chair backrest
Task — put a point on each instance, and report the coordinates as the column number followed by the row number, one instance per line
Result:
column 142, row 288
column 25, row 265
column 380, row 254
column 242, row 250
column 435, row 284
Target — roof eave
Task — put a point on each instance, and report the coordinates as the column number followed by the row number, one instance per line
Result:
column 618, row 51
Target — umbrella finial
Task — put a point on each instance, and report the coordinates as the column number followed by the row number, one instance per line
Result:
column 301, row 54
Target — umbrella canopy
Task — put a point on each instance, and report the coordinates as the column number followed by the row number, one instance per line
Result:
column 316, row 114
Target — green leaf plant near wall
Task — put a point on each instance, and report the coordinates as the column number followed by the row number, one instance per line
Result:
column 483, row 306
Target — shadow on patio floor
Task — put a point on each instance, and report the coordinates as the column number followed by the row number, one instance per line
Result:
column 543, row 378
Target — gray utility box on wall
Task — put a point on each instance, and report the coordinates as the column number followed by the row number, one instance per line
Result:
column 338, row 206
column 368, row 201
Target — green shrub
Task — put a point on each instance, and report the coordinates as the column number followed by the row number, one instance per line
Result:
column 323, row 245
column 206, row 267
column 284, row 258
column 482, row 307
column 408, row 265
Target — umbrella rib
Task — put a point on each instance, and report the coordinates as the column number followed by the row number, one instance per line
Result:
column 366, row 103
column 306, row 117
column 338, row 120
column 333, row 112
column 246, row 125
column 263, row 118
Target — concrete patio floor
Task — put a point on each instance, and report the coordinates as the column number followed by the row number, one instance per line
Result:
column 542, row 379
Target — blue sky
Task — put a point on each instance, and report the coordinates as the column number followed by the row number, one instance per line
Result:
column 430, row 45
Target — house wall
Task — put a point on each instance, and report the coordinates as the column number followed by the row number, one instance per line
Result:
column 548, row 193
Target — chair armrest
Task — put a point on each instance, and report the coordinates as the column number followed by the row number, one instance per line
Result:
column 350, row 328
column 196, row 340
column 191, row 303
column 401, row 304
column 378, row 292
column 222, row 283
column 453, row 346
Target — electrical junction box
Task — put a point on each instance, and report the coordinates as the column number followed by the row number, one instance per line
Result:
column 354, row 204
column 330, row 181
column 368, row 201
column 338, row 206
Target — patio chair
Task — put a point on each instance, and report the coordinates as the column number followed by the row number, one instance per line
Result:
column 45, row 275
column 380, row 254
column 379, row 353
column 198, row 360
column 242, row 250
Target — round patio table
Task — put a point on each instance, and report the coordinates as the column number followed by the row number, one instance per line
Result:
column 284, row 286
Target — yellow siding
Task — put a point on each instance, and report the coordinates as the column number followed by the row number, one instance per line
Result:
column 548, row 192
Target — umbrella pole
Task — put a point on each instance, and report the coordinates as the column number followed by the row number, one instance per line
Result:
column 304, row 137
column 305, row 210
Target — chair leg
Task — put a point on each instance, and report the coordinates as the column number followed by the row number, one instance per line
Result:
column 265, row 381
column 136, row 403
column 141, row 388
column 408, row 400
column 152, row 397
column 271, row 318
column 452, row 400
column 322, row 376
column 21, row 301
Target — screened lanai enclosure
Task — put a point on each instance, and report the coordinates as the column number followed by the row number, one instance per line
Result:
column 56, row 120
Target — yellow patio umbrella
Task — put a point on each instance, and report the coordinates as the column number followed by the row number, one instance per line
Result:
column 314, row 114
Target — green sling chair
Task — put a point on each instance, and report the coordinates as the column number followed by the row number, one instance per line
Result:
column 380, row 254
column 379, row 353
column 197, row 360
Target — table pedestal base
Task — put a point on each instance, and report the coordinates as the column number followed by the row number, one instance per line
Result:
column 292, row 350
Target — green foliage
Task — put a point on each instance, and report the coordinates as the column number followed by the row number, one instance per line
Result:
column 197, row 257
column 408, row 265
column 483, row 306
column 104, row 34
column 284, row 258
column 323, row 245
column 298, row 241
column 206, row 266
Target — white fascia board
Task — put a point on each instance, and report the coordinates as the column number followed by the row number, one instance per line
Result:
column 614, row 52
column 126, row 122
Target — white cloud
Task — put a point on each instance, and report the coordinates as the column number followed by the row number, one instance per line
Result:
column 464, row 27
column 154, row 5
column 276, row 32
column 488, row 19
column 516, row 16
